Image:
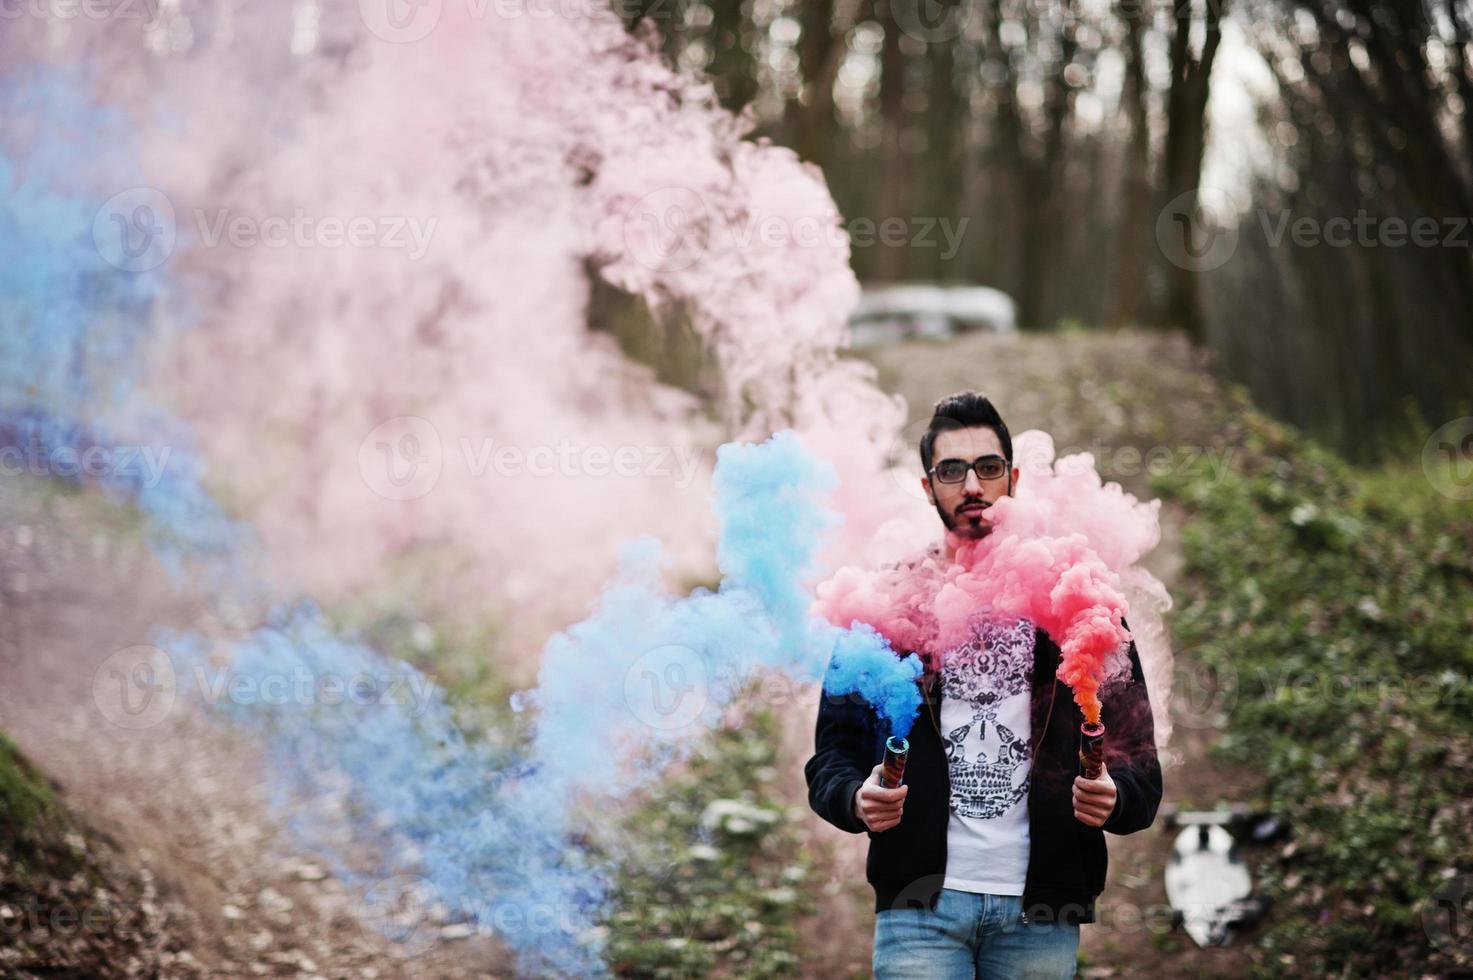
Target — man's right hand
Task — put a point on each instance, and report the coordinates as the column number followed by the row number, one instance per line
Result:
column 876, row 807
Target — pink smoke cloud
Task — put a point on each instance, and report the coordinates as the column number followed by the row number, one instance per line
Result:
column 1060, row 554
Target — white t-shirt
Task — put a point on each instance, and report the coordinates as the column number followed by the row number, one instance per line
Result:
column 985, row 728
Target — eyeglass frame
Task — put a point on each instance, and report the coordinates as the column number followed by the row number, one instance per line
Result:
column 971, row 467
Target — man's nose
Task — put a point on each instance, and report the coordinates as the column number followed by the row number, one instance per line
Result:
column 973, row 482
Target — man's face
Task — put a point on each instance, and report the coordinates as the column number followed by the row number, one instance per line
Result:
column 964, row 506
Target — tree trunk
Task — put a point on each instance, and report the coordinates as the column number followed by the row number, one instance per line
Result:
column 1128, row 284
column 732, row 67
column 890, row 259
column 811, row 123
column 1186, row 142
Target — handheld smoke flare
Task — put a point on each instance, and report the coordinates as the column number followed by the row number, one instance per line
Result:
column 892, row 770
column 1091, row 749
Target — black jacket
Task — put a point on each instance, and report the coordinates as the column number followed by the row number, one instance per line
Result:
column 1067, row 860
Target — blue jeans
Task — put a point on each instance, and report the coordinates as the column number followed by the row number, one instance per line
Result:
column 969, row 935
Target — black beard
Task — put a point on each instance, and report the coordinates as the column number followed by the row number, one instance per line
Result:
column 974, row 526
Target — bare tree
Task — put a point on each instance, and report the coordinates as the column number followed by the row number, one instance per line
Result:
column 1186, row 143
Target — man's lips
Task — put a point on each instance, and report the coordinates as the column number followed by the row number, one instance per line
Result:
column 971, row 510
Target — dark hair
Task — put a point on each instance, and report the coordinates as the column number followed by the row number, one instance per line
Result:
column 964, row 410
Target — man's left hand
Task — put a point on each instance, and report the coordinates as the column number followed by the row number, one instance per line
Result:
column 1094, row 799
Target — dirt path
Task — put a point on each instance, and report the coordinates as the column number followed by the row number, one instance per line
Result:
column 1104, row 392
column 176, row 801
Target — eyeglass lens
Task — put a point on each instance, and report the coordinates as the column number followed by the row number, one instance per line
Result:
column 955, row 470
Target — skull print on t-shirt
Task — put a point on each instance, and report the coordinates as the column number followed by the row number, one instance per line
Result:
column 988, row 759
column 986, row 689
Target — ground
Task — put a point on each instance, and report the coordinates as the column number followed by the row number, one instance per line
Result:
column 185, row 873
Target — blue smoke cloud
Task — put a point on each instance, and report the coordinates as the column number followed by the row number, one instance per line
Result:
column 74, row 329
column 620, row 695
column 863, row 664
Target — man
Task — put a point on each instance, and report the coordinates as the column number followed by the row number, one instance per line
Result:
column 990, row 856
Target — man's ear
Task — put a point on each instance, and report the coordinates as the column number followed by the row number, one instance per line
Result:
column 1017, row 475
column 926, row 486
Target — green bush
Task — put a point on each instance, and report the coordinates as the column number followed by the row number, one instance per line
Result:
column 718, row 880
column 1339, row 604
column 24, row 796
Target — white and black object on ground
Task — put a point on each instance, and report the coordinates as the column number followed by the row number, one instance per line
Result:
column 1208, row 884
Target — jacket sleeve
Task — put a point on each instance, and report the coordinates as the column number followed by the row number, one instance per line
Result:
column 1130, row 752
column 843, row 742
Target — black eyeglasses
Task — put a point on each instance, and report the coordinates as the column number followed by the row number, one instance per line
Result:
column 955, row 470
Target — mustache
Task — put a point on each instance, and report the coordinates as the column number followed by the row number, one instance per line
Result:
column 973, row 502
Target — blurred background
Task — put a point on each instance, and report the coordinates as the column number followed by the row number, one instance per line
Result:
column 1222, row 246
column 1248, row 173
